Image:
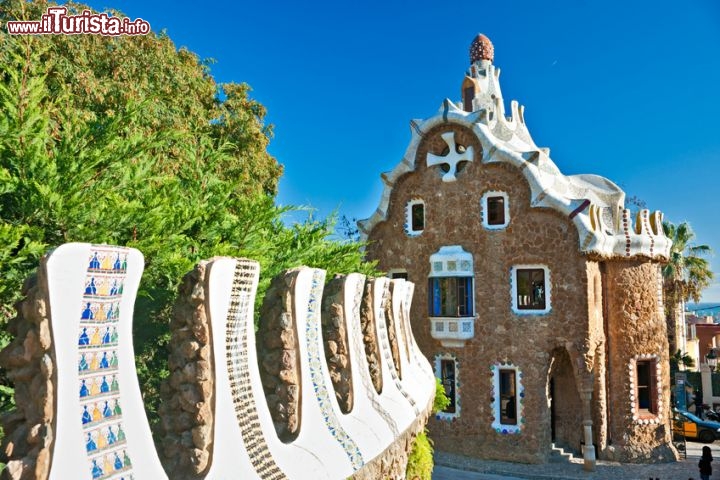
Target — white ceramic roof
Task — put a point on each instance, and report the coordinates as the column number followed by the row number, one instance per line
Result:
column 594, row 203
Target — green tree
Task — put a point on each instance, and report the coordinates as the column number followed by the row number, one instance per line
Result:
column 680, row 359
column 128, row 141
column 684, row 277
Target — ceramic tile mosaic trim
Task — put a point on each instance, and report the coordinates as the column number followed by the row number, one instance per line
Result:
column 359, row 353
column 416, row 357
column 98, row 388
column 241, row 299
column 385, row 347
column 315, row 357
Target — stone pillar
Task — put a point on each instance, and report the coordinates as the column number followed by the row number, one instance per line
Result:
column 588, row 447
column 706, row 382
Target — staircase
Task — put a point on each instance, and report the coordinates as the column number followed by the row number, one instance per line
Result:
column 559, row 455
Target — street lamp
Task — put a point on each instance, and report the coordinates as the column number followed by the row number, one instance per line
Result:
column 712, row 360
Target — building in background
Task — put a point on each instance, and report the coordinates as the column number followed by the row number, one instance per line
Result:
column 538, row 298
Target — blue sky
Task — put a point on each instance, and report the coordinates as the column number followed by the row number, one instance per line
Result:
column 627, row 90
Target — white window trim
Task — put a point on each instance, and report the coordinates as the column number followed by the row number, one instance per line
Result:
column 408, row 217
column 438, row 374
column 484, row 210
column 519, row 402
column 513, row 290
column 632, row 367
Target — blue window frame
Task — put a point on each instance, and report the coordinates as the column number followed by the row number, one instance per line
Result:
column 450, row 297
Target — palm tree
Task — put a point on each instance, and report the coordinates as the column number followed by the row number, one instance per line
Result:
column 680, row 359
column 684, row 277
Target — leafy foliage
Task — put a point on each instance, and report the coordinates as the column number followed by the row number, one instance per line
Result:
column 442, row 401
column 128, row 141
column 680, row 359
column 687, row 273
column 420, row 461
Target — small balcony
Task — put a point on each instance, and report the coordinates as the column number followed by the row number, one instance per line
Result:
column 452, row 331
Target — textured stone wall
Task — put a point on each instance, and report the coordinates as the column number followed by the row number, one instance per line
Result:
column 372, row 350
column 277, row 354
column 29, row 361
column 336, row 344
column 201, row 379
column 534, row 236
column 391, row 331
column 187, row 395
column 636, row 328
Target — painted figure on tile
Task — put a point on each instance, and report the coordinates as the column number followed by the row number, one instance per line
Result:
column 94, row 387
column 104, row 387
column 87, row 313
column 118, row 462
column 96, row 414
column 95, row 338
column 121, row 433
column 117, row 410
column 113, row 360
column 126, row 459
column 103, row 288
column 91, row 288
column 97, row 472
column 90, row 445
column 107, row 411
column 114, row 288
column 84, row 339
column 84, row 392
column 117, row 265
column 123, row 266
column 94, row 262
column 114, row 384
column 94, row 363
column 111, row 438
column 108, row 464
column 121, row 287
column 83, row 364
column 114, row 335
column 104, row 361
column 101, row 440
column 86, row 418
column 106, row 336
column 100, row 315
column 105, row 264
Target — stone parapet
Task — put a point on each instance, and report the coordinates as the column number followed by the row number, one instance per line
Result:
column 299, row 403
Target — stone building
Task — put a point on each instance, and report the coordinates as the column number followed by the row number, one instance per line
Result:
column 538, row 298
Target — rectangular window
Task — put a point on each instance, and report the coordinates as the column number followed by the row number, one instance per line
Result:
column 418, row 217
column 531, row 289
column 450, row 297
column 447, row 372
column 508, row 398
column 646, row 397
column 398, row 274
column 468, row 96
column 496, row 210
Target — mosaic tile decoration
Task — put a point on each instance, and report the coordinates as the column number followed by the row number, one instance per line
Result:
column 416, row 356
column 315, row 359
column 451, row 417
column 647, row 418
column 359, row 353
column 98, row 388
column 495, row 400
column 385, row 346
column 238, row 363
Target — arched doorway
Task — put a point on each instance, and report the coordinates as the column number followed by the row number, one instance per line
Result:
column 565, row 404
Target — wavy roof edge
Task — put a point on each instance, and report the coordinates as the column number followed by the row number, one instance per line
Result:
column 594, row 203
